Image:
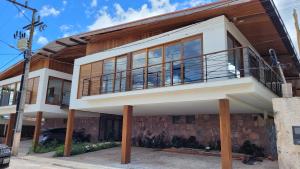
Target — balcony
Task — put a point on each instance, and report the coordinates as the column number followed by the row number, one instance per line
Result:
column 9, row 98
column 222, row 65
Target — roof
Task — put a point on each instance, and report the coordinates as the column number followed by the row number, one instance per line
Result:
column 258, row 20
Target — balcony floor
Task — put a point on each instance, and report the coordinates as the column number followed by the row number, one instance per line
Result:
column 246, row 95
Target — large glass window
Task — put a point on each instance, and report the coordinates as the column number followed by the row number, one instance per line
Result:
column 66, row 93
column 138, row 70
column 58, row 92
column 192, row 56
column 5, row 96
column 108, row 75
column 54, row 90
column 12, row 94
column 235, row 57
column 155, row 67
column 121, row 74
column 173, row 64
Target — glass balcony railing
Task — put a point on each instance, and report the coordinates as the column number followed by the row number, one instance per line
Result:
column 228, row 64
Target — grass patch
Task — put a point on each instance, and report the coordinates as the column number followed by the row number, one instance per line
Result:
column 81, row 148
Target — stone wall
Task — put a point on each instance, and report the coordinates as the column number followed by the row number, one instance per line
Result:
column 90, row 124
column 205, row 128
column 287, row 115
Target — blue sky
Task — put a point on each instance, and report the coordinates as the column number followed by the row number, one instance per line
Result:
column 68, row 17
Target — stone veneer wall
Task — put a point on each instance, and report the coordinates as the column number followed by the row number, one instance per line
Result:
column 90, row 124
column 244, row 127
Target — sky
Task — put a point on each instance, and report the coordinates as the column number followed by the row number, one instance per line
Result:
column 68, row 17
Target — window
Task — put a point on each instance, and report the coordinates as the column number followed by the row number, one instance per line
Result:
column 190, row 119
column 154, row 67
column 121, row 74
column 138, row 70
column 173, row 64
column 235, row 57
column 176, row 119
column 166, row 65
column 54, row 90
column 58, row 92
column 193, row 67
column 108, row 75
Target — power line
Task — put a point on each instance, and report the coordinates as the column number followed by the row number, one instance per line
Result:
column 10, row 61
column 9, row 45
column 22, row 12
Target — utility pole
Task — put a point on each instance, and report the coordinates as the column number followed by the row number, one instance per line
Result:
column 297, row 28
column 24, row 80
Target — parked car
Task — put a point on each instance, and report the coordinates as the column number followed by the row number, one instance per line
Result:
column 5, row 154
column 58, row 135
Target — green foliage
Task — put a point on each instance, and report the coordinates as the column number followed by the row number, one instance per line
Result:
column 81, row 148
column 52, row 146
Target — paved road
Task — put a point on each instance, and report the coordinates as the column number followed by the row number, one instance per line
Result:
column 17, row 163
column 32, row 162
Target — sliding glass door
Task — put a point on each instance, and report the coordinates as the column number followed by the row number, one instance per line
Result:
column 193, row 61
column 154, row 75
column 138, row 70
column 173, row 64
column 121, row 74
column 108, row 75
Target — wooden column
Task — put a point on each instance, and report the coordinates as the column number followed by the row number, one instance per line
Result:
column 69, row 133
column 37, row 129
column 10, row 130
column 225, row 134
column 126, row 134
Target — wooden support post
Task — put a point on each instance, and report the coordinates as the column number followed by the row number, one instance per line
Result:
column 10, row 130
column 37, row 129
column 225, row 134
column 126, row 134
column 69, row 133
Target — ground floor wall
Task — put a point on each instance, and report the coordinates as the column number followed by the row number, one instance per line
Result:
column 89, row 124
column 256, row 128
column 252, row 127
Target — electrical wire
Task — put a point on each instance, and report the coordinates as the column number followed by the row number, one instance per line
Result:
column 13, row 59
column 22, row 12
column 9, row 45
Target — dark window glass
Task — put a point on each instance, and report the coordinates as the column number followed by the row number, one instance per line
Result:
column 66, row 93
column 178, row 119
column 190, row 119
column 193, row 69
column 234, row 57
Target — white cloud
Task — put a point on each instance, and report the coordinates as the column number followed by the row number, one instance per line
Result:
column 42, row 41
column 65, row 2
column 65, row 27
column 193, row 3
column 105, row 19
column 94, row 3
column 285, row 9
column 48, row 11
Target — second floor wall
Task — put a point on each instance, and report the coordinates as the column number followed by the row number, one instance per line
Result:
column 194, row 53
column 47, row 90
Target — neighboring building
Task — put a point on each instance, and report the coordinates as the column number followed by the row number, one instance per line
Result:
column 175, row 74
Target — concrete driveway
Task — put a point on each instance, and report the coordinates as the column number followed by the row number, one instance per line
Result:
column 142, row 158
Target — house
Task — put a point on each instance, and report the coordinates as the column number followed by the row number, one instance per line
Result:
column 204, row 72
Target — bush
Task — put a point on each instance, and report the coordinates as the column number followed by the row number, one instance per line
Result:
column 81, row 148
column 51, row 146
column 251, row 149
